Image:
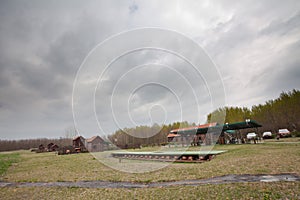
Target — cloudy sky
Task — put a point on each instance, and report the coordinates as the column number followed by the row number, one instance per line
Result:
column 254, row 46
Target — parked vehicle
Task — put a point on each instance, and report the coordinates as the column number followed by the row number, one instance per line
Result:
column 284, row 132
column 251, row 136
column 267, row 135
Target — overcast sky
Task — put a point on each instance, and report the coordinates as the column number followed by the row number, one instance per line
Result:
column 255, row 46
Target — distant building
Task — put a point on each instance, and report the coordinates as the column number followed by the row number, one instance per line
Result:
column 41, row 147
column 208, row 134
column 79, row 144
column 95, row 144
column 54, row 147
column 190, row 135
column 50, row 145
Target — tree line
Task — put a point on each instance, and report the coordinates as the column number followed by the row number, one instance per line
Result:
column 26, row 144
column 282, row 112
column 145, row 135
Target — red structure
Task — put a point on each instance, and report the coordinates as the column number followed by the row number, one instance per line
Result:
column 189, row 135
column 208, row 134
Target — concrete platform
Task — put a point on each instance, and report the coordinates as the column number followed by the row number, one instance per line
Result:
column 171, row 156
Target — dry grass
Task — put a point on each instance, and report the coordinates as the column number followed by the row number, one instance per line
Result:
column 279, row 190
column 269, row 158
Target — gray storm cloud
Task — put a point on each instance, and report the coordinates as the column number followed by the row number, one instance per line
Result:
column 255, row 46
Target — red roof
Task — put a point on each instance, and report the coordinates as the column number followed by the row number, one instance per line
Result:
column 194, row 127
column 172, row 135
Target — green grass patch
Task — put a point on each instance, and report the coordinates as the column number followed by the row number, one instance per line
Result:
column 6, row 160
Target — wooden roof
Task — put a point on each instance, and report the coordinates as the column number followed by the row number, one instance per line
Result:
column 93, row 138
column 79, row 137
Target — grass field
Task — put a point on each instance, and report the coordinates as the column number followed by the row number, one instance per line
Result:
column 6, row 160
column 271, row 157
column 266, row 191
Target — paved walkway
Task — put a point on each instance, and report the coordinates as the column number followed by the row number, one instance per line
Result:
column 107, row 184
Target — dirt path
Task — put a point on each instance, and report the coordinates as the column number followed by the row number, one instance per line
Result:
column 107, row 184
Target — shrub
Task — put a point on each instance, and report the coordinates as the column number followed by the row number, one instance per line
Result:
column 295, row 134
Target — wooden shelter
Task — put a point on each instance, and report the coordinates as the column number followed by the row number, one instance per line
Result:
column 95, row 144
column 41, row 147
column 79, row 144
column 54, row 147
column 208, row 133
column 50, row 145
column 194, row 135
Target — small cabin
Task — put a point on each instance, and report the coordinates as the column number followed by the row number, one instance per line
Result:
column 79, row 144
column 49, row 146
column 41, row 147
column 54, row 147
column 96, row 144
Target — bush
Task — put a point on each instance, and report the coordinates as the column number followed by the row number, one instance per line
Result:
column 295, row 134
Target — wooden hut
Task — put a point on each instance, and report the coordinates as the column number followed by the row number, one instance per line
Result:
column 41, row 147
column 79, row 144
column 95, row 144
column 54, row 147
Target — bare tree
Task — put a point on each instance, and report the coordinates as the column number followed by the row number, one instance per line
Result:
column 71, row 132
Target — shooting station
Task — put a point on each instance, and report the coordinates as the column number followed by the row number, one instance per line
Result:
column 207, row 134
column 211, row 133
